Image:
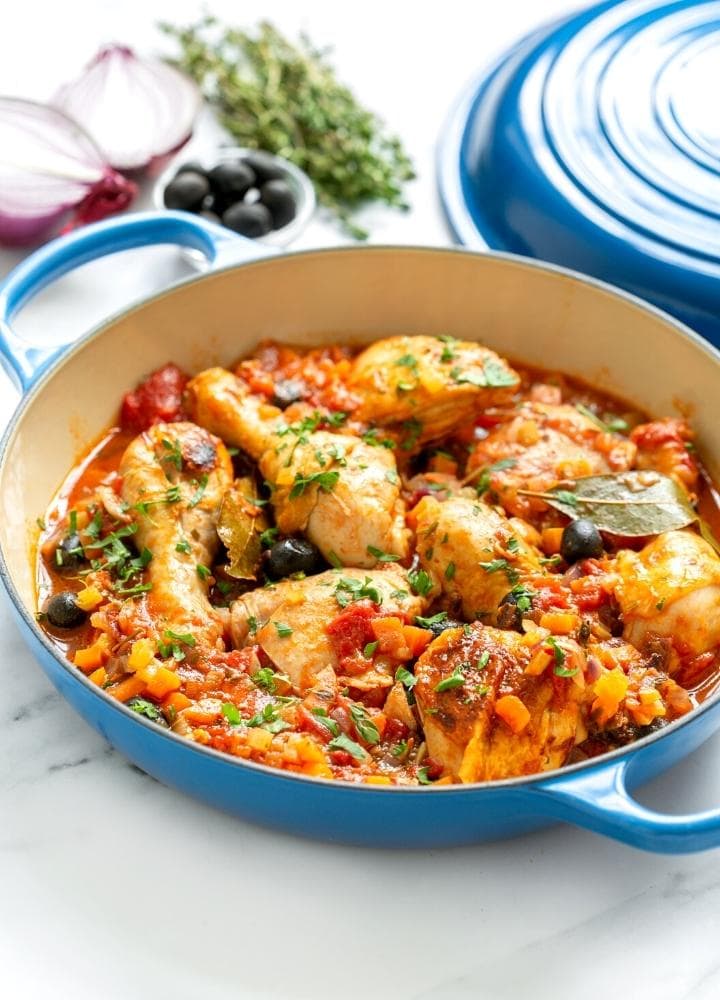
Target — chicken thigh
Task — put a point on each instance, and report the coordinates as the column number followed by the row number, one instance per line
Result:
column 671, row 588
column 342, row 493
column 484, row 716
column 475, row 554
column 288, row 620
column 427, row 386
column 541, row 446
column 174, row 477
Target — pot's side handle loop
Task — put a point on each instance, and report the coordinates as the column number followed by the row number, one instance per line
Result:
column 27, row 361
column 599, row 800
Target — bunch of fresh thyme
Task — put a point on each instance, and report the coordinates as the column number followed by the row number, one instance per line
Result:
column 274, row 95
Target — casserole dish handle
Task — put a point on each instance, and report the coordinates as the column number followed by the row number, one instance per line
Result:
column 599, row 800
column 28, row 361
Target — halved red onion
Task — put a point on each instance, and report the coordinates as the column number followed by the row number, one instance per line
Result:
column 135, row 109
column 49, row 167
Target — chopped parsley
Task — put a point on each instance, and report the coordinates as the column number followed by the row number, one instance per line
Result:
column 174, row 641
column 183, row 546
column 146, row 708
column 369, row 650
column 372, row 437
column 348, row 589
column 523, row 597
column 231, row 713
column 334, row 559
column 343, row 742
column 324, row 481
column 366, row 728
column 494, row 375
column 392, row 477
column 423, row 777
column 483, row 660
column 202, row 571
column 268, row 537
column 201, row 486
column 454, row 680
column 495, row 565
column 330, row 724
column 264, row 678
column 252, row 625
column 450, row 571
column 483, row 483
column 560, row 670
column 383, row 557
column 173, row 454
column 441, row 616
column 420, row 582
column 407, row 679
column 282, row 629
column 413, row 429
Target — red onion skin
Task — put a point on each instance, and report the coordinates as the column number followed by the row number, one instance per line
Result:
column 113, row 193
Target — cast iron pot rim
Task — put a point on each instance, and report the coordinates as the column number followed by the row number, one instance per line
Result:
column 518, row 783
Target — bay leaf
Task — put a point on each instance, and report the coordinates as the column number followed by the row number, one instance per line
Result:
column 629, row 503
column 240, row 524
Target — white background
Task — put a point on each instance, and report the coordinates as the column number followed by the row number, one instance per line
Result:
column 113, row 887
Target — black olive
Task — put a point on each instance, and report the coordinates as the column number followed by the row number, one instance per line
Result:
column 206, row 213
column 279, row 198
column 437, row 628
column 580, row 540
column 264, row 168
column 248, row 220
column 231, row 180
column 193, row 166
column 69, row 553
column 148, row 709
column 63, row 611
column 291, row 555
column 186, row 191
column 287, row 391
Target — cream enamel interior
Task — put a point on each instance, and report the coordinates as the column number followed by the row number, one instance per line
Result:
column 529, row 312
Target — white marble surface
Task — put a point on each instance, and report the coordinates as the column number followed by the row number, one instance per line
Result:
column 115, row 888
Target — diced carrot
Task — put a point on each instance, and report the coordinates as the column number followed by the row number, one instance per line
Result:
column 551, row 538
column 416, row 638
column 513, row 712
column 128, row 689
column 378, row 779
column 141, row 653
column 443, row 464
column 610, row 689
column 88, row 598
column 92, row 656
column 159, row 681
column 204, row 712
column 528, row 433
column 650, row 707
column 177, row 701
column 201, row 736
column 390, row 633
column 98, row 676
column 539, row 663
column 559, row 622
column 317, row 769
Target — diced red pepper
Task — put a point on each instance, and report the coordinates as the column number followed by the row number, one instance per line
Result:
column 158, row 399
column 350, row 633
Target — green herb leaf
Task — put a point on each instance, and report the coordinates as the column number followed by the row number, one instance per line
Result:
column 282, row 629
column 369, row 649
column 383, row 557
column 348, row 589
column 231, row 713
column 450, row 571
column 420, row 582
column 630, row 503
column 441, row 616
column 366, row 728
column 407, row 679
column 343, row 742
column 324, row 481
column 202, row 571
column 454, row 680
column 183, row 546
column 422, row 776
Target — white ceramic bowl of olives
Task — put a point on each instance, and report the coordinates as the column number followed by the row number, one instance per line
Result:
column 255, row 194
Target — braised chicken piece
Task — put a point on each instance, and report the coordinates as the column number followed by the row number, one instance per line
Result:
column 539, row 447
column 425, row 386
column 473, row 553
column 664, row 446
column 671, row 588
column 342, row 493
column 173, row 478
column 289, row 620
column 484, row 715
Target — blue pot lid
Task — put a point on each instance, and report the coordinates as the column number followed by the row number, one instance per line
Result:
column 595, row 143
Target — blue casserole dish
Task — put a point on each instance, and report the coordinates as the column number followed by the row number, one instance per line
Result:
column 539, row 313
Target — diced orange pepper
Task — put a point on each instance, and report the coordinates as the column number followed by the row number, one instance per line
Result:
column 610, row 689
column 177, row 700
column 98, row 676
column 88, row 598
column 513, row 712
column 443, row 464
column 92, row 656
column 559, row 622
column 416, row 638
column 551, row 538
column 378, row 779
column 141, row 653
column 128, row 689
column 390, row 633
column 539, row 663
column 528, row 433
